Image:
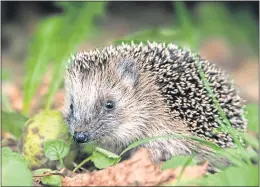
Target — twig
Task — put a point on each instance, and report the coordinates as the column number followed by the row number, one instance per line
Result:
column 49, row 174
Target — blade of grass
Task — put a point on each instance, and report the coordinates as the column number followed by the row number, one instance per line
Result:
column 146, row 140
column 83, row 26
column 169, row 136
column 254, row 142
column 185, row 24
column 228, row 126
column 38, row 59
column 183, row 168
column 216, row 103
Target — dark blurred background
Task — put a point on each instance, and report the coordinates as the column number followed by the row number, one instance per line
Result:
column 19, row 20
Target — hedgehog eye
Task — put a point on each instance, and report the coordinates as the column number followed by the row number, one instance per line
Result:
column 109, row 105
column 71, row 108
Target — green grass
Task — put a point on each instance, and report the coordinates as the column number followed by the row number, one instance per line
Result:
column 54, row 40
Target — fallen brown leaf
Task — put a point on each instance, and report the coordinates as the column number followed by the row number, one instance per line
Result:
column 191, row 172
column 246, row 78
column 137, row 171
column 12, row 91
column 218, row 51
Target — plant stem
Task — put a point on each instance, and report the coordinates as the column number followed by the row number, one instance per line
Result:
column 61, row 163
column 82, row 163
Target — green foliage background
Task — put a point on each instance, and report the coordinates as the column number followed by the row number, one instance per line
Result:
column 55, row 39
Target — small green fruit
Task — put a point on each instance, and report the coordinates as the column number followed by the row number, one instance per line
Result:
column 47, row 125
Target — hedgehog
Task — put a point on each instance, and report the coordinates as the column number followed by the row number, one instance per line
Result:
column 119, row 94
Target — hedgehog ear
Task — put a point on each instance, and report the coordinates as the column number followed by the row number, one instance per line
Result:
column 128, row 71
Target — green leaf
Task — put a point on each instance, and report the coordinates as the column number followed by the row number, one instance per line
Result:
column 15, row 171
column 252, row 117
column 234, row 176
column 52, row 180
column 89, row 148
column 177, row 161
column 103, row 158
column 55, row 149
column 13, row 123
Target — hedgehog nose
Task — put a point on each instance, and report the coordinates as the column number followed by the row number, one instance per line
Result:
column 81, row 137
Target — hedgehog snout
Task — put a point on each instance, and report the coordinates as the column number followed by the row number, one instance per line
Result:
column 81, row 137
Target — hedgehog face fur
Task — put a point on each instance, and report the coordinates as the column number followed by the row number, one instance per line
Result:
column 120, row 94
column 113, row 103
